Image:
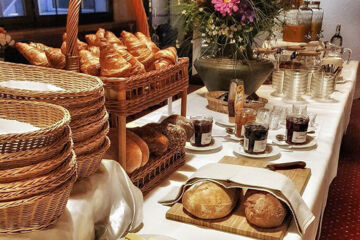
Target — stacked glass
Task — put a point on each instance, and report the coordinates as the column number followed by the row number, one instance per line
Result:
column 295, row 84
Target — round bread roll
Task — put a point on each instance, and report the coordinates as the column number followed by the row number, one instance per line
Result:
column 143, row 146
column 264, row 210
column 181, row 121
column 134, row 156
column 208, row 200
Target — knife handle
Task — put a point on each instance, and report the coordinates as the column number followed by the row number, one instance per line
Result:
column 284, row 166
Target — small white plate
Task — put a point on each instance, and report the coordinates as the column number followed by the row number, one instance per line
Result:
column 224, row 122
column 269, row 152
column 157, row 237
column 235, row 138
column 215, row 144
column 310, row 142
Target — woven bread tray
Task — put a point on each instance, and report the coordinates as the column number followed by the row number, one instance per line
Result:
column 37, row 169
column 34, row 186
column 51, row 120
column 81, row 133
column 36, row 212
column 90, row 162
column 92, row 143
column 157, row 168
column 146, row 89
column 218, row 105
column 37, row 155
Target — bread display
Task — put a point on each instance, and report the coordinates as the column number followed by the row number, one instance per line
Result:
column 157, row 142
column 138, row 49
column 182, row 122
column 143, row 146
column 124, row 56
column 264, row 210
column 208, row 200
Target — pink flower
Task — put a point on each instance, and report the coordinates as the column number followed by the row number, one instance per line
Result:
column 226, row 7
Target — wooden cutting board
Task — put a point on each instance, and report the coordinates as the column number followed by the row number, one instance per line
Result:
column 236, row 222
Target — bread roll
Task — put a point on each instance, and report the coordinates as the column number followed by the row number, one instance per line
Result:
column 89, row 63
column 157, row 142
column 133, row 156
column 143, row 146
column 55, row 57
column 262, row 209
column 175, row 134
column 208, row 200
column 182, row 122
column 150, row 44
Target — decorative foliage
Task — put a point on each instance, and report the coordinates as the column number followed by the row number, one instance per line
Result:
column 229, row 26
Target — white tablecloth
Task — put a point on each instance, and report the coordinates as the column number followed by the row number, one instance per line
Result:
column 333, row 119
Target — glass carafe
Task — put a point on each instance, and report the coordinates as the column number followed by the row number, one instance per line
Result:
column 317, row 19
column 335, row 55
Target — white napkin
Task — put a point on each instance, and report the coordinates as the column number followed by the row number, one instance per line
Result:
column 12, row 126
column 30, row 85
column 229, row 175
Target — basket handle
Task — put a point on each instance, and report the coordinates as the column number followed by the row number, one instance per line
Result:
column 72, row 29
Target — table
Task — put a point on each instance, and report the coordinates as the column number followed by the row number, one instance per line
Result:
column 323, row 161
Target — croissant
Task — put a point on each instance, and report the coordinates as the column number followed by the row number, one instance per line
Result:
column 138, row 49
column 55, row 57
column 91, row 40
column 89, row 63
column 34, row 55
column 112, row 62
column 167, row 53
column 111, row 38
column 39, row 46
column 81, row 44
column 137, row 67
column 94, row 50
column 161, row 63
column 150, row 44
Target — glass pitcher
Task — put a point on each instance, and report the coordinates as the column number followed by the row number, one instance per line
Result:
column 335, row 55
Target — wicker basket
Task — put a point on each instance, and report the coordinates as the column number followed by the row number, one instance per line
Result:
column 157, row 169
column 36, row 185
column 38, row 169
column 92, row 143
column 36, row 212
column 218, row 105
column 81, row 133
column 89, row 120
column 51, row 119
column 34, row 156
column 89, row 163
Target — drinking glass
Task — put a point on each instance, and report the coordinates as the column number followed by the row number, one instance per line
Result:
column 300, row 109
column 263, row 116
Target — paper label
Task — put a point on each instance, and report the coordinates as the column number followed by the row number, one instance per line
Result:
column 206, row 138
column 259, row 146
column 298, row 137
column 246, row 144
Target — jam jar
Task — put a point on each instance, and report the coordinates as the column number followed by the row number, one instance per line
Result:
column 296, row 128
column 255, row 137
column 202, row 131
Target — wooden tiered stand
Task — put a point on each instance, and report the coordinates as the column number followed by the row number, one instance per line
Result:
column 127, row 96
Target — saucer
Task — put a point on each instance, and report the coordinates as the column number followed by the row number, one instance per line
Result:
column 224, row 122
column 310, row 142
column 215, row 144
column 269, row 152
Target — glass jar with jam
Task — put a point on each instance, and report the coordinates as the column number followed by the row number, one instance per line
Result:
column 202, row 136
column 298, row 24
column 255, row 137
column 242, row 116
column 296, row 128
column 317, row 20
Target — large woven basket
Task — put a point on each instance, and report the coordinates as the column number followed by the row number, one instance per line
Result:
column 33, row 156
column 81, row 133
column 36, row 185
column 36, row 212
column 51, row 119
column 89, row 163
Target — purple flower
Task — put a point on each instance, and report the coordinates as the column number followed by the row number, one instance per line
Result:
column 245, row 13
column 226, row 7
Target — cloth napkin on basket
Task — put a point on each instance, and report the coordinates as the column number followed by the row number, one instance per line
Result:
column 229, row 175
